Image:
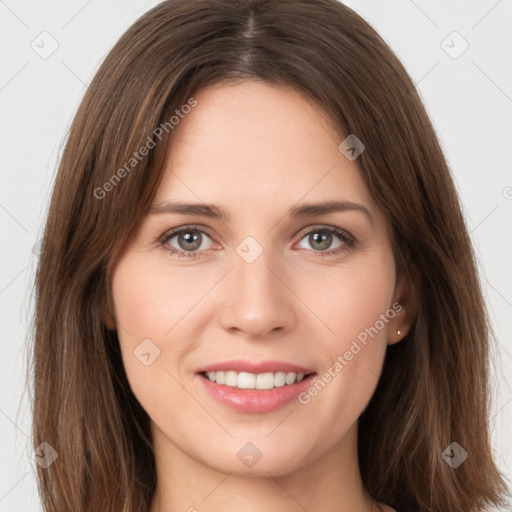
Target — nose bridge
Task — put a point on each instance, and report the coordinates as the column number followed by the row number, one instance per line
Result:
column 252, row 266
column 258, row 302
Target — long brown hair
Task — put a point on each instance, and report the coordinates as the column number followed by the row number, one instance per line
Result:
column 434, row 388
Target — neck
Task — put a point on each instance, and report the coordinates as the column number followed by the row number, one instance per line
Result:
column 331, row 482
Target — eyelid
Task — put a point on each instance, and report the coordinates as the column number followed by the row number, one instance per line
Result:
column 173, row 231
column 347, row 238
column 323, row 227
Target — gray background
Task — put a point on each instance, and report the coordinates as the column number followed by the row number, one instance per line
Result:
column 468, row 95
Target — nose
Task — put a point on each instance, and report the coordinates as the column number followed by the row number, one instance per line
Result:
column 258, row 301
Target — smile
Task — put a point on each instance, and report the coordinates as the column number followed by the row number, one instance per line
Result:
column 246, row 380
column 247, row 392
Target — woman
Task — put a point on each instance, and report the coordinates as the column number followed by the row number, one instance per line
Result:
column 256, row 287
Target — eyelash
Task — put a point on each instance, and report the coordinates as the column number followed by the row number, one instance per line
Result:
column 347, row 239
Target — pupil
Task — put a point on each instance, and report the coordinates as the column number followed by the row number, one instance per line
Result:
column 190, row 239
column 324, row 239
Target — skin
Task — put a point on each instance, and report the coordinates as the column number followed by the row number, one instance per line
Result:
column 257, row 149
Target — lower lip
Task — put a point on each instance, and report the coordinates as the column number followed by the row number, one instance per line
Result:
column 255, row 400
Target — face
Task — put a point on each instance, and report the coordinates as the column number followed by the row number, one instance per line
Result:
column 260, row 295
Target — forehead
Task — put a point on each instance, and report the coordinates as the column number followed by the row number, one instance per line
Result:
column 257, row 145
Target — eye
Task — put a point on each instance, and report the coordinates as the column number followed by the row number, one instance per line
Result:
column 322, row 238
column 191, row 241
column 187, row 241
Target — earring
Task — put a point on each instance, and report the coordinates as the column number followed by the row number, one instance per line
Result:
column 399, row 333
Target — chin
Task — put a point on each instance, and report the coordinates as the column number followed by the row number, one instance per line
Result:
column 252, row 458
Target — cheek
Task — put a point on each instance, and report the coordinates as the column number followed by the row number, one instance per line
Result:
column 145, row 311
column 353, row 303
column 350, row 300
column 144, row 308
column 139, row 299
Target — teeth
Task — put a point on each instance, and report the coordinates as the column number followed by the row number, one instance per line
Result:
column 265, row 381
column 279, row 379
column 245, row 380
column 220, row 378
column 231, row 379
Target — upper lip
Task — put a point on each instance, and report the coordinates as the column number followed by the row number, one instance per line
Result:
column 240, row 365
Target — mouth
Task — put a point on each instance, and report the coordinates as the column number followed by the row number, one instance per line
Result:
column 260, row 381
column 268, row 387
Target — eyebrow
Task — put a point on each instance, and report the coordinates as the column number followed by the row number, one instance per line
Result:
column 300, row 211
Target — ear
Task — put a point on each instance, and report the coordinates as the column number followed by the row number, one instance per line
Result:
column 109, row 320
column 405, row 301
column 107, row 315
